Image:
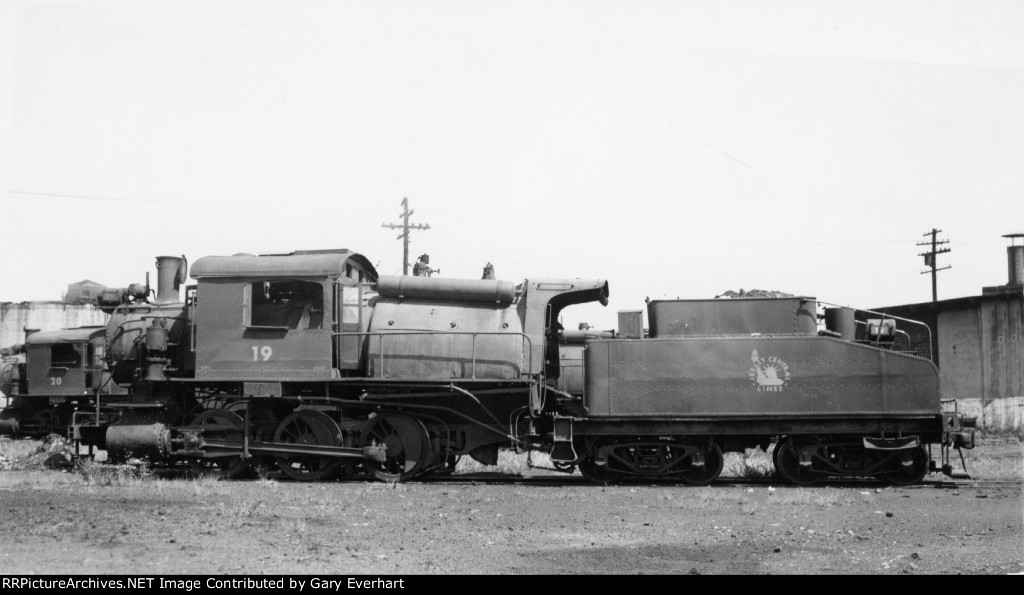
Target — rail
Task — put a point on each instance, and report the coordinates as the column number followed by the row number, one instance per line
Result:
column 527, row 344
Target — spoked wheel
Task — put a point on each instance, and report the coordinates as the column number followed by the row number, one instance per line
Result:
column 912, row 473
column 308, row 427
column 405, row 442
column 224, row 426
column 787, row 462
column 713, row 463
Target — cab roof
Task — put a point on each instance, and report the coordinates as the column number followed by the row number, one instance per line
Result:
column 301, row 263
column 66, row 335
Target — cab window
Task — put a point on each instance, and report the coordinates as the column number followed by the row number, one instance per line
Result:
column 287, row 304
column 66, row 355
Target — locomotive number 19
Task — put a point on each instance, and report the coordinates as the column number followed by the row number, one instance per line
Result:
column 261, row 351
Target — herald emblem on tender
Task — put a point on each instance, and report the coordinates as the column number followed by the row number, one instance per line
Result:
column 769, row 374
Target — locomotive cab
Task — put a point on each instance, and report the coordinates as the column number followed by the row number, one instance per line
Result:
column 65, row 370
column 281, row 317
column 66, row 362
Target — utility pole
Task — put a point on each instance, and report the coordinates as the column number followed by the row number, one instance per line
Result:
column 929, row 259
column 405, row 226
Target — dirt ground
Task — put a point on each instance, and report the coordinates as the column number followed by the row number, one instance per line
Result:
column 516, row 522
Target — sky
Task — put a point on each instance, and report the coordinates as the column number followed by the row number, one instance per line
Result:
column 678, row 149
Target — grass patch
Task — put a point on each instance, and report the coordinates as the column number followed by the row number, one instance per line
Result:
column 103, row 474
column 753, row 463
column 246, row 507
column 13, row 450
column 509, row 463
column 993, row 459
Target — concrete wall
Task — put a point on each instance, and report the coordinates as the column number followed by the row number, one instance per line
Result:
column 1000, row 415
column 15, row 317
column 981, row 361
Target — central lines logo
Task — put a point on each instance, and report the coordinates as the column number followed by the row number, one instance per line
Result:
column 769, row 374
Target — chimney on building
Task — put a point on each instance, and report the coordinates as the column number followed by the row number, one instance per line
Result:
column 1015, row 259
column 1015, row 266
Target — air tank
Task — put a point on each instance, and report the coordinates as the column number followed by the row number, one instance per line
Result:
column 448, row 290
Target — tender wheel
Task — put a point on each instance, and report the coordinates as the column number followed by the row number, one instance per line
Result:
column 787, row 462
column 229, row 428
column 313, row 428
column 912, row 473
column 405, row 442
column 713, row 463
column 775, row 455
column 600, row 474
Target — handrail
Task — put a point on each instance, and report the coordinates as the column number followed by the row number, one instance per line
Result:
column 380, row 334
column 894, row 317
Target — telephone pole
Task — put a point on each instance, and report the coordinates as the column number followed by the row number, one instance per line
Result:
column 929, row 259
column 405, row 226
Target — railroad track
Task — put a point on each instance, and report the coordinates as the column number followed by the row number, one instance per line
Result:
column 576, row 480
column 975, row 483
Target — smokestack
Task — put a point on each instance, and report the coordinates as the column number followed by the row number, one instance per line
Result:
column 1015, row 259
column 170, row 272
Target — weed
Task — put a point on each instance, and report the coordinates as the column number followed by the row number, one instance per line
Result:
column 387, row 485
column 13, row 450
column 509, row 463
column 203, row 483
column 114, row 475
column 752, row 464
column 245, row 507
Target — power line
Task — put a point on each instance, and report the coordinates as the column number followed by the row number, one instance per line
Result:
column 405, row 226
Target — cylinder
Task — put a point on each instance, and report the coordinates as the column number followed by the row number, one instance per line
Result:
column 446, row 290
column 155, row 369
column 841, row 320
column 8, row 427
column 156, row 337
column 152, row 440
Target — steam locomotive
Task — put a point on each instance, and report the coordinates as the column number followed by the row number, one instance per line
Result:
column 54, row 375
column 313, row 363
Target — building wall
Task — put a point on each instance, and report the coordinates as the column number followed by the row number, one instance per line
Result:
column 981, row 361
column 15, row 317
column 1002, row 331
column 960, row 354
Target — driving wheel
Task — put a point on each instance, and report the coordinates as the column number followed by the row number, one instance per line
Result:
column 224, row 426
column 313, row 428
column 405, row 443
